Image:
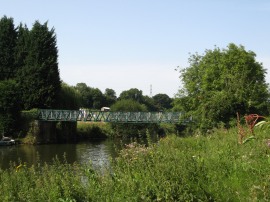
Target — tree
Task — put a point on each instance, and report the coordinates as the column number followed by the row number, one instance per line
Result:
column 149, row 103
column 110, row 97
column 162, row 101
column 128, row 106
column 133, row 94
column 39, row 77
column 220, row 83
column 91, row 97
column 8, row 37
column 97, row 98
column 21, row 50
column 69, row 97
column 85, row 94
column 128, row 130
column 137, row 95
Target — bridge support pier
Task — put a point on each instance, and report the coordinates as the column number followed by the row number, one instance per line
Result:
column 67, row 131
column 53, row 132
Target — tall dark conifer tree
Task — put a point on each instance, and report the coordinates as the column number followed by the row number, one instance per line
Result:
column 21, row 50
column 39, row 77
column 8, row 37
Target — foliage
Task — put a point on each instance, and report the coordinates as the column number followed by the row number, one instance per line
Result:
column 137, row 95
column 128, row 106
column 42, row 183
column 132, row 94
column 220, row 83
column 8, row 36
column 22, row 50
column 149, row 103
column 9, row 107
column 97, row 98
column 162, row 101
column 92, row 98
column 86, row 130
column 39, row 77
column 69, row 97
column 110, row 97
column 29, row 114
column 125, row 129
column 201, row 168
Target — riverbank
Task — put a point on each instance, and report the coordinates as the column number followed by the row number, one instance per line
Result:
column 206, row 168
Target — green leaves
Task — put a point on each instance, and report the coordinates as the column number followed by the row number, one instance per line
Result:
column 220, row 83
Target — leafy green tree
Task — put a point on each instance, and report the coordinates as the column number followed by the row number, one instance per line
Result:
column 137, row 95
column 149, row 103
column 128, row 130
column 128, row 106
column 39, row 77
column 110, row 97
column 97, row 98
column 133, row 94
column 8, row 37
column 220, row 83
column 162, row 101
column 85, row 94
column 69, row 97
column 91, row 97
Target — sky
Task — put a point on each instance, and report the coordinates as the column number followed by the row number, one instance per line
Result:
column 124, row 44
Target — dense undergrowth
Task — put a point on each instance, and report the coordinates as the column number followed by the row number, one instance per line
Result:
column 199, row 168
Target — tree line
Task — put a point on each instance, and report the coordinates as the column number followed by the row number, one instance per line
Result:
column 29, row 77
column 83, row 96
column 216, row 85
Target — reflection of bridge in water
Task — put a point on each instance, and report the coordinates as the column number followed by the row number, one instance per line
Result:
column 108, row 116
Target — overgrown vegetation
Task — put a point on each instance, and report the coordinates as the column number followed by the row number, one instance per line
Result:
column 220, row 83
column 87, row 130
column 134, row 130
column 200, row 168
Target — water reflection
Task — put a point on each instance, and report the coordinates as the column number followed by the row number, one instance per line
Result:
column 99, row 153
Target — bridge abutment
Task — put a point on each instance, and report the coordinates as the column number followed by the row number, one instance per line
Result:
column 43, row 132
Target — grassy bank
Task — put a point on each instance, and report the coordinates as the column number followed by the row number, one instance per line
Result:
column 201, row 168
column 92, row 130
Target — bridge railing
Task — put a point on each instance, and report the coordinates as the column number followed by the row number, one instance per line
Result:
column 102, row 116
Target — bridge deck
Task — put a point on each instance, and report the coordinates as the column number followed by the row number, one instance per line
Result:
column 100, row 116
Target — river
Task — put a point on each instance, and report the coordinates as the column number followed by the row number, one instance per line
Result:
column 98, row 152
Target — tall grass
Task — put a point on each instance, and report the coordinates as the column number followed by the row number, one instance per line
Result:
column 87, row 130
column 201, row 168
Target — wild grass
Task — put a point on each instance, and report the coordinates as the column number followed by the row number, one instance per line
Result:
column 200, row 168
column 88, row 130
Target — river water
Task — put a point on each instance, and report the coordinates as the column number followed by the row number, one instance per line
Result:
column 97, row 152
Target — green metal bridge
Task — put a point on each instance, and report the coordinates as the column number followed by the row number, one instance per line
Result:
column 108, row 116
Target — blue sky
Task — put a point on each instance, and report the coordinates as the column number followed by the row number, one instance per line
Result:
column 123, row 44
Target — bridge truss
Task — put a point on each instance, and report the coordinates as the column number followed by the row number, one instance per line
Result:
column 114, row 117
